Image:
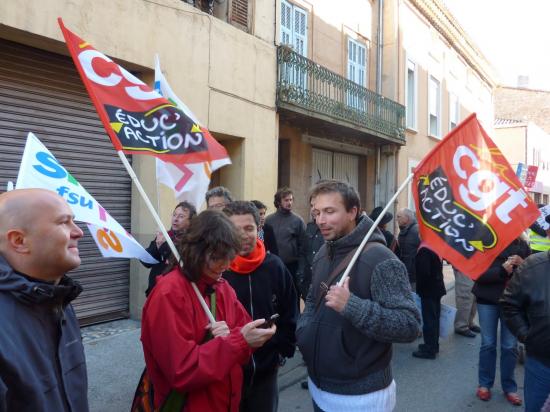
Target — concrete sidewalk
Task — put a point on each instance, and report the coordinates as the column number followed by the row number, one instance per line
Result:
column 115, row 361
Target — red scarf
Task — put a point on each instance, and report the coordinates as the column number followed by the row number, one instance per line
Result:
column 246, row 264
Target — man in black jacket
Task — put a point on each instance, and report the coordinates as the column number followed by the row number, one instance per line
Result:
column 42, row 363
column 289, row 231
column 526, row 310
column 264, row 287
column 346, row 332
column 430, row 287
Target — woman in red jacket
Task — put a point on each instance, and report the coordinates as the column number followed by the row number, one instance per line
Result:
column 190, row 361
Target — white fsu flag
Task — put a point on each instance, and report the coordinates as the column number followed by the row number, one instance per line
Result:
column 189, row 181
column 40, row 169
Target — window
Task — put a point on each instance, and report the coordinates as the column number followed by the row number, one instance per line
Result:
column 410, row 94
column 239, row 12
column 294, row 27
column 294, row 34
column 453, row 111
column 434, row 107
column 356, row 72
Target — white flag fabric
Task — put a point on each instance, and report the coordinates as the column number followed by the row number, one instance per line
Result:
column 40, row 169
column 119, row 245
column 188, row 181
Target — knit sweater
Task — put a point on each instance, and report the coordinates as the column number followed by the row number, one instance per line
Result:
column 349, row 353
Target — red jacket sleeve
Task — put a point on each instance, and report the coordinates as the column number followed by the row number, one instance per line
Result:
column 171, row 338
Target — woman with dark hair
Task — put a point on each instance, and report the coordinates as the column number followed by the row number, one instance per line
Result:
column 159, row 249
column 189, row 361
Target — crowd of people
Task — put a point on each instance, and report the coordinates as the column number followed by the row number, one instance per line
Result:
column 253, row 271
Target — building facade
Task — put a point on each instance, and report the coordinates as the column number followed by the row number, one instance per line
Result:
column 526, row 143
column 434, row 69
column 223, row 68
column 332, row 121
column 296, row 91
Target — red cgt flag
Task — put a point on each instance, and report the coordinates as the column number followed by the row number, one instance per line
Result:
column 469, row 203
column 137, row 118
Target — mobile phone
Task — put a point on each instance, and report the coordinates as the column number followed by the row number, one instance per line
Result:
column 269, row 322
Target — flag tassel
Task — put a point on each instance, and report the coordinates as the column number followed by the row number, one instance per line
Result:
column 373, row 228
column 160, row 225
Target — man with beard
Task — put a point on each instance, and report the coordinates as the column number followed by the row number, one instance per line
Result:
column 42, row 363
column 289, row 231
column 264, row 287
column 345, row 333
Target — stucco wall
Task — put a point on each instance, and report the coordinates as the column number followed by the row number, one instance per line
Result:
column 226, row 76
column 433, row 56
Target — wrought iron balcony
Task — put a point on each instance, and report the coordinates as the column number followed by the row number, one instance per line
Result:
column 307, row 85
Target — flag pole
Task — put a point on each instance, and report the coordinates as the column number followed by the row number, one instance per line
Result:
column 159, row 223
column 373, row 228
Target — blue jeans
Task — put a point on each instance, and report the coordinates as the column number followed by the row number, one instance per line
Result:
column 489, row 316
column 537, row 384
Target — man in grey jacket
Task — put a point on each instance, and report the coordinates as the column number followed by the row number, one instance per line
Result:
column 42, row 364
column 346, row 332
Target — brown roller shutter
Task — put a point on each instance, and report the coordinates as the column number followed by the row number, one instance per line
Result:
column 41, row 92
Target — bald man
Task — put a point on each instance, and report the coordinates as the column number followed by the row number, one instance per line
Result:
column 42, row 364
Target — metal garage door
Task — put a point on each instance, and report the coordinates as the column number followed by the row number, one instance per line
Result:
column 42, row 93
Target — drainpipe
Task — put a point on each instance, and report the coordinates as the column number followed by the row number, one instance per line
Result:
column 379, row 47
column 379, row 91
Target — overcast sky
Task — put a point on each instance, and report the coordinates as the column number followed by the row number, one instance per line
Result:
column 514, row 35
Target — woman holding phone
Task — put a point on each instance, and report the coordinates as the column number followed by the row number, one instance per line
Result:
column 193, row 363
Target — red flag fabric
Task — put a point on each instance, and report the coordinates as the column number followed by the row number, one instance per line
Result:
column 137, row 118
column 469, row 202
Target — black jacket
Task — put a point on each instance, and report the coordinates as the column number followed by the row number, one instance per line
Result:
column 269, row 240
column 526, row 305
column 489, row 286
column 312, row 243
column 391, row 241
column 429, row 274
column 409, row 240
column 162, row 254
column 289, row 232
column 42, row 364
column 266, row 291
column 349, row 353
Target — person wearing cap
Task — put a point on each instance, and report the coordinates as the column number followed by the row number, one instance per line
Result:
column 391, row 241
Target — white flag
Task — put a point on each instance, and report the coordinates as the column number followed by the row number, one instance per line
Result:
column 188, row 181
column 117, row 245
column 40, row 169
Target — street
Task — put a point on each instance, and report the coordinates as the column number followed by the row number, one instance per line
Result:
column 445, row 384
column 115, row 362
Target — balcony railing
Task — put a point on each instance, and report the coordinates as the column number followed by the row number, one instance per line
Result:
column 302, row 82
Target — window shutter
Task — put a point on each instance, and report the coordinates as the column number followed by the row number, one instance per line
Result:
column 286, row 23
column 239, row 12
column 300, row 31
column 356, row 62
